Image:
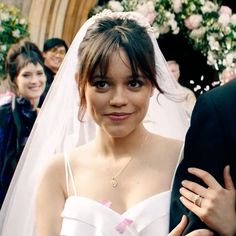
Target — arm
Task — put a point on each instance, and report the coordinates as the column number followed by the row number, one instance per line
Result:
column 206, row 147
column 217, row 204
column 178, row 230
column 50, row 199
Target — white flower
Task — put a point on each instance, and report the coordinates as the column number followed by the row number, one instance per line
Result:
column 115, row 6
column 214, row 44
column 4, row 16
column 148, row 10
column 202, row 2
column 229, row 58
column 226, row 30
column 198, row 33
column 224, row 20
column 16, row 33
column 233, row 19
column 3, row 48
column 177, row 5
column 192, row 6
column 173, row 24
column 209, row 7
column 213, row 34
column 228, row 43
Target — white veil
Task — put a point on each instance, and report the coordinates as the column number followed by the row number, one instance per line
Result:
column 57, row 129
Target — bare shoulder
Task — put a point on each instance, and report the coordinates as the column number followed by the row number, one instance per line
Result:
column 54, row 167
column 167, row 146
column 56, row 163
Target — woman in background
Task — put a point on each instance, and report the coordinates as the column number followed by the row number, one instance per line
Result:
column 19, row 108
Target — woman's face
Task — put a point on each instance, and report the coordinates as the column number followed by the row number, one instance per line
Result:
column 31, row 81
column 118, row 103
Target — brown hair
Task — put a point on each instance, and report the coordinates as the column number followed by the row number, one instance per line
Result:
column 104, row 38
column 19, row 55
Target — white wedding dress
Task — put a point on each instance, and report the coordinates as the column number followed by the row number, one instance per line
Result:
column 87, row 217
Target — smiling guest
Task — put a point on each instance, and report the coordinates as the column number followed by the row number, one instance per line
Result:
column 54, row 51
column 25, row 71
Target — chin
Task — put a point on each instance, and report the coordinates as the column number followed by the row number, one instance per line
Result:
column 119, row 133
column 34, row 96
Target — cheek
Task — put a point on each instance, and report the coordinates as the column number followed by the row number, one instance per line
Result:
column 96, row 103
column 43, row 80
column 20, row 84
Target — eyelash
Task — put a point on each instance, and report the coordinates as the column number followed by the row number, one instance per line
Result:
column 98, row 84
column 133, row 83
column 28, row 75
column 137, row 82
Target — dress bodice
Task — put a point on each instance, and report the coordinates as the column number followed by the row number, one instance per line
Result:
column 90, row 218
column 87, row 217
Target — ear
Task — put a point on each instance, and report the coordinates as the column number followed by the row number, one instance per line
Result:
column 44, row 54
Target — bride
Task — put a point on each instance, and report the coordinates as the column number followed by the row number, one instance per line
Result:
column 116, row 141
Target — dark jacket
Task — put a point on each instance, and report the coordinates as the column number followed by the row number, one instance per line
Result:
column 210, row 145
column 16, row 121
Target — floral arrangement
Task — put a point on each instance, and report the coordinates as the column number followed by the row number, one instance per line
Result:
column 13, row 27
column 209, row 27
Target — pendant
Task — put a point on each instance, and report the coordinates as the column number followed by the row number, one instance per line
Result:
column 114, row 182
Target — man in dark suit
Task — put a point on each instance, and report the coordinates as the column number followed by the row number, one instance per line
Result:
column 210, row 145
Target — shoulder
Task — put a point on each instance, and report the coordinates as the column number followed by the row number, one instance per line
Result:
column 219, row 99
column 54, row 167
column 169, row 147
column 56, row 163
column 222, row 92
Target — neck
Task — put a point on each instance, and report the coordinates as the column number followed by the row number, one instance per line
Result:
column 34, row 103
column 119, row 147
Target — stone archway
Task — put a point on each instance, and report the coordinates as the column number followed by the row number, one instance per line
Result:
column 57, row 18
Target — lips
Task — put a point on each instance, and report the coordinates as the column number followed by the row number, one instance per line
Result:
column 118, row 116
column 36, row 88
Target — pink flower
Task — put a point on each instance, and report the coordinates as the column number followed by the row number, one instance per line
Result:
column 122, row 225
column 193, row 22
column 224, row 10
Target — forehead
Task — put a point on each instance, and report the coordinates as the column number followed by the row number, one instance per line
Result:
column 58, row 48
column 117, row 58
column 173, row 66
column 31, row 66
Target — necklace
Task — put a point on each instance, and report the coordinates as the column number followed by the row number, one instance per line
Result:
column 114, row 178
column 114, row 181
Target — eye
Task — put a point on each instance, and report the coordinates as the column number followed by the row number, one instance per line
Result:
column 100, row 84
column 135, row 83
column 26, row 75
column 40, row 73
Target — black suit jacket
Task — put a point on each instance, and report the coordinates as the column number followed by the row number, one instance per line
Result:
column 210, row 145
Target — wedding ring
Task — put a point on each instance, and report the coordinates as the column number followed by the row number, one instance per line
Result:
column 198, row 200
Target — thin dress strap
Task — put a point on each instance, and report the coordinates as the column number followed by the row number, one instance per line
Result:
column 180, row 158
column 69, row 176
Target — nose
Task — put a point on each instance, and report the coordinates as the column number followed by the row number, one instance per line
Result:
column 119, row 97
column 34, row 79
